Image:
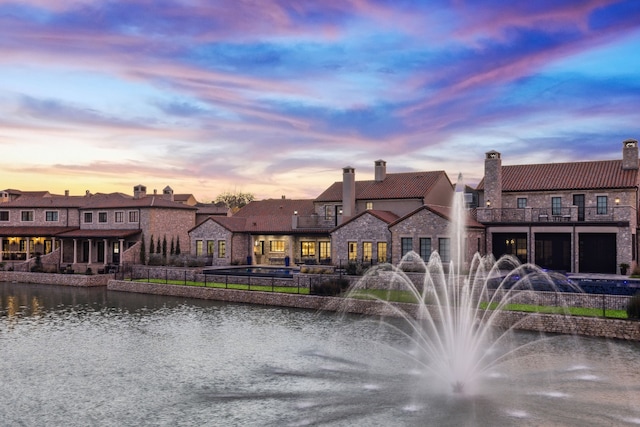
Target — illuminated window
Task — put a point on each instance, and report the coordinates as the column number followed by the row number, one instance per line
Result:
column 199, row 245
column 88, row 217
column 369, row 205
column 367, row 251
column 51, row 216
column 325, row 250
column 211, row 244
column 382, row 251
column 308, row 249
column 329, row 211
column 276, row 245
column 353, row 251
column 119, row 217
column 102, row 217
column 222, row 248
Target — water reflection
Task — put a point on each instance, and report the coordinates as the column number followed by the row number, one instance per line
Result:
column 73, row 356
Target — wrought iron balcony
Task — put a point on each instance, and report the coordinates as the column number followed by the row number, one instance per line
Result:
column 565, row 214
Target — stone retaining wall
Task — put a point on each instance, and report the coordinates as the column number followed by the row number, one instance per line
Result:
column 588, row 326
column 55, row 279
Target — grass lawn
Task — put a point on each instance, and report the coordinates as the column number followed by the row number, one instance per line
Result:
column 574, row 311
column 236, row 286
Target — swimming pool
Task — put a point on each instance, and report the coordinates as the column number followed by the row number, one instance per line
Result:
column 281, row 272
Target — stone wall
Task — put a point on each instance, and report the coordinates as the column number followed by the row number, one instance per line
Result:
column 56, row 279
column 588, row 326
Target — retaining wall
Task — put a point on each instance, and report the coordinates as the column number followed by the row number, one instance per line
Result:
column 588, row 326
column 55, row 279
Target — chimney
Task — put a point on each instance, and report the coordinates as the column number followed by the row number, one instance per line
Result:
column 167, row 193
column 492, row 180
column 381, row 170
column 87, row 193
column 630, row 154
column 4, row 197
column 139, row 191
column 348, row 192
column 66, row 193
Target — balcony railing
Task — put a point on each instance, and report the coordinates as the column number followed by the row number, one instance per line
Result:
column 565, row 214
column 313, row 221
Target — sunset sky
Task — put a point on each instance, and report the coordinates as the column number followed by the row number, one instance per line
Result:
column 276, row 97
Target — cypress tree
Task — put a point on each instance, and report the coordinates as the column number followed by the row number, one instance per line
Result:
column 173, row 248
column 164, row 247
column 143, row 252
column 178, row 245
column 152, row 248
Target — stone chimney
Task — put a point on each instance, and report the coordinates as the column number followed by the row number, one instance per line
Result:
column 348, row 192
column 381, row 170
column 630, row 154
column 492, row 180
column 4, row 197
column 167, row 193
column 139, row 191
column 66, row 193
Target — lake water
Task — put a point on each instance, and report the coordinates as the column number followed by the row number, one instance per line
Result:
column 82, row 357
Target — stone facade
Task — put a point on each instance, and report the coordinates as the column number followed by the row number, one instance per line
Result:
column 365, row 228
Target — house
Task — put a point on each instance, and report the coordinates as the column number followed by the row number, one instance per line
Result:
column 264, row 232
column 578, row 216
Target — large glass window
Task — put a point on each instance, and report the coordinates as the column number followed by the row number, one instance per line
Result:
column 51, row 216
column 26, row 215
column 367, row 251
column 406, row 245
column 4, row 215
column 222, row 248
column 276, row 245
column 444, row 249
column 199, row 246
column 325, row 250
column 425, row 248
column 556, row 205
column 353, row 251
column 382, row 251
column 601, row 205
column 308, row 249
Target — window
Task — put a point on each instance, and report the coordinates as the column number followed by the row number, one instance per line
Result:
column 308, row 249
column 4, row 215
column 353, row 251
column 88, row 217
column 276, row 245
column 406, row 245
column 369, row 205
column 556, row 205
column 444, row 249
column 211, row 244
column 425, row 248
column 522, row 202
column 199, row 244
column 222, row 248
column 51, row 216
column 102, row 217
column 325, row 250
column 601, row 205
column 329, row 211
column 26, row 215
column 367, row 251
column 382, row 251
column 119, row 216
column 133, row 216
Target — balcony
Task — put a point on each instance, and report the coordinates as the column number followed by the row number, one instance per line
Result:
column 566, row 214
column 312, row 222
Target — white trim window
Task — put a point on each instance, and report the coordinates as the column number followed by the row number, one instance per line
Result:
column 88, row 217
column 102, row 217
column 133, row 216
column 119, row 216
column 51, row 216
column 26, row 216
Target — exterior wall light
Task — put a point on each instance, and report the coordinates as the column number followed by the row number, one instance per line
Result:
column 617, row 201
column 488, row 203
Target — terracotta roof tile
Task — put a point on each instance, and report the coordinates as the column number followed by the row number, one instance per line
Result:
column 604, row 174
column 406, row 185
column 35, row 231
column 385, row 216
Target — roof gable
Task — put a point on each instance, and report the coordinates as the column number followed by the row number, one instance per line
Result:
column 385, row 216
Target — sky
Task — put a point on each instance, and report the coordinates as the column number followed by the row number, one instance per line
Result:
column 275, row 97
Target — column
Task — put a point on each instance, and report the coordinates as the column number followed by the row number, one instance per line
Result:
column 75, row 251
column 61, row 251
column 28, row 248
column 90, row 252
column 1, row 247
column 120, row 251
column 106, row 253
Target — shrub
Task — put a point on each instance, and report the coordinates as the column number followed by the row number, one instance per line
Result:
column 89, row 272
column 155, row 260
column 329, row 287
column 633, row 307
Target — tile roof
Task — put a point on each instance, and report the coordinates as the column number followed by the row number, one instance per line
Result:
column 35, row 231
column 100, row 234
column 33, row 202
column 275, row 207
column 118, row 200
column 604, row 174
column 407, row 185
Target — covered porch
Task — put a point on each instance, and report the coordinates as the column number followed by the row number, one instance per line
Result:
column 23, row 243
column 96, row 249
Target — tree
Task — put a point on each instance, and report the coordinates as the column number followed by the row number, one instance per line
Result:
column 178, row 245
column 143, row 252
column 158, row 247
column 164, row 247
column 173, row 248
column 235, row 201
column 152, row 248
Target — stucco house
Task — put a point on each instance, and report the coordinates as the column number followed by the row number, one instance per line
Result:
column 578, row 216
